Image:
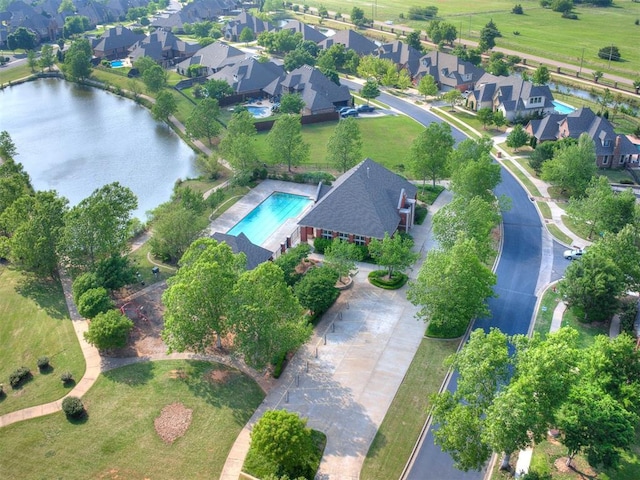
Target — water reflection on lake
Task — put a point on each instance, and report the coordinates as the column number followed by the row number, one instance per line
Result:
column 75, row 139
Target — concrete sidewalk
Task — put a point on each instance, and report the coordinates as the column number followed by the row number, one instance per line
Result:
column 346, row 377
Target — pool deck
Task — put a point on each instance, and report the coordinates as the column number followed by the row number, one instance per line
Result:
column 241, row 209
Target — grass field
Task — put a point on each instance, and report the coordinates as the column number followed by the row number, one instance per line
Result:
column 117, row 439
column 403, row 422
column 12, row 74
column 35, row 323
column 542, row 32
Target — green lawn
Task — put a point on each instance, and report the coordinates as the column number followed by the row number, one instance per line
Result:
column 403, row 422
column 545, row 313
column 390, row 150
column 545, row 210
column 12, row 74
column 559, row 234
column 142, row 264
column 117, row 438
column 579, row 229
column 528, row 184
column 586, row 331
column 35, row 322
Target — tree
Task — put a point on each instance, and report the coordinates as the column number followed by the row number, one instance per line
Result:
column 430, row 151
column 21, row 38
column 451, row 289
column 636, row 85
column 35, row 224
column 75, row 24
column 452, row 97
column 427, row 86
column 143, row 64
column 485, row 115
column 294, row 445
column 238, row 143
column 246, row 35
column 164, row 107
column 175, row 227
column 344, row 148
column 541, row 76
column 517, row 138
column 109, row 330
column 297, row 58
column 372, row 67
column 289, row 262
column 562, row 6
column 32, row 60
column 499, row 120
column 572, row 166
column 77, row 60
column 403, row 81
column 198, row 298
column 82, row 283
column 497, row 64
column 291, row 103
column 602, row 209
column 66, row 6
column 47, row 57
column 14, row 183
column 474, row 217
column 154, row 78
column 317, row 291
column 267, row 318
column 357, row 17
column 476, row 178
column 217, row 89
column 488, row 36
column 597, row 75
column 203, row 120
column 341, row 256
column 94, row 301
column 395, row 253
column 440, row 32
column 370, row 90
column 413, row 40
column 98, row 226
column 623, row 248
column 115, row 272
column 322, row 11
column 8, row 149
column 286, row 143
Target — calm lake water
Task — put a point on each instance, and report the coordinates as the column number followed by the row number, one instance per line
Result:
column 75, row 139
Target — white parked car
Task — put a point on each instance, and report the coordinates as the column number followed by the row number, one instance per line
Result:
column 573, row 254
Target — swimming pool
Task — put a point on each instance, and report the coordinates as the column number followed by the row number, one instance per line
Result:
column 562, row 108
column 260, row 223
column 259, row 112
column 117, row 64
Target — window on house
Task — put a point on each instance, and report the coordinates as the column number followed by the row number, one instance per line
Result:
column 607, row 143
column 605, row 159
column 359, row 240
column 343, row 237
column 327, row 235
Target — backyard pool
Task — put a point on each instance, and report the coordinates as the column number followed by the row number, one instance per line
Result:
column 259, row 112
column 266, row 218
column 117, row 64
column 562, row 108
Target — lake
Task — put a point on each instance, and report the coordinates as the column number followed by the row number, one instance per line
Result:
column 75, row 139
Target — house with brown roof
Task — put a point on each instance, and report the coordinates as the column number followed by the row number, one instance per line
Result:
column 193, row 12
column 364, row 203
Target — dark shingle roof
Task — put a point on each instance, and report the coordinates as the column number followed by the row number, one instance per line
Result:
column 215, row 56
column 117, row 37
column 448, row 69
column 250, row 75
column 255, row 254
column 401, row 54
column 546, row 128
column 308, row 33
column 363, row 201
column 350, row 39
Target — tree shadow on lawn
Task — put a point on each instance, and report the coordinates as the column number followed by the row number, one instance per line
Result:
column 138, row 373
column 46, row 293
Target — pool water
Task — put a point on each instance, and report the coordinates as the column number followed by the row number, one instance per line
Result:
column 562, row 108
column 117, row 64
column 266, row 218
column 259, row 112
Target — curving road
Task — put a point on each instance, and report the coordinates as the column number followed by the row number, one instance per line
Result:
column 529, row 259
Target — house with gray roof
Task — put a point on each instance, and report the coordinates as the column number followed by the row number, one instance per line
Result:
column 234, row 28
column 320, row 94
column 250, row 77
column 115, row 43
column 512, row 95
column 449, row 71
column 193, row 12
column 212, row 58
column 545, row 129
column 350, row 39
column 404, row 56
column 163, row 47
column 241, row 244
column 364, row 203
column 307, row 31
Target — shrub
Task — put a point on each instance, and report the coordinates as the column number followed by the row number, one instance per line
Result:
column 94, row 301
column 278, row 366
column 66, row 377
column 18, row 376
column 43, row 363
column 320, row 244
column 84, row 282
column 517, row 9
column 570, row 16
column 109, row 330
column 397, row 280
column 72, row 407
column 628, row 312
column 421, row 214
column 610, row 52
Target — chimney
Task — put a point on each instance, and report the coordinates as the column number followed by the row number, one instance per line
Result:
column 616, row 150
column 367, row 172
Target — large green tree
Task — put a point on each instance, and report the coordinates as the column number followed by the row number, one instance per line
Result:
column 517, row 138
column 286, row 143
column 203, row 120
column 370, row 90
column 488, row 36
column 395, row 253
column 430, row 152
column 452, row 288
column 572, row 166
column 267, row 318
column 154, row 78
column 341, row 257
column 21, row 38
column 476, row 178
column 198, row 297
column 175, row 227
column 109, row 330
column 77, row 60
column 218, row 89
column 316, row 290
column 372, row 67
column 237, row 145
column 164, row 107
column 344, row 148
column 47, row 57
column 98, row 226
column 427, row 86
column 291, row 103
column 541, row 76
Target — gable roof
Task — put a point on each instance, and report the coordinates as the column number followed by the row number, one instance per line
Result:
column 599, row 130
column 308, row 32
column 350, row 39
column 115, row 38
column 401, row 54
column 158, row 42
column 546, row 128
column 448, row 69
column 214, row 56
column 246, row 20
column 250, row 75
column 255, row 254
column 363, row 201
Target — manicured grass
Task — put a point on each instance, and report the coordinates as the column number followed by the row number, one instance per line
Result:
column 455, row 120
column 544, row 315
column 586, row 331
column 579, row 229
column 389, row 150
column 34, row 323
column 118, row 437
column 428, row 193
column 545, row 210
column 615, row 176
column 524, row 163
column 403, row 422
column 14, row 73
column 528, row 184
column 142, row 264
column 559, row 234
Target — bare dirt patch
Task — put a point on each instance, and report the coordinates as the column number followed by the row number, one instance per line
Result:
column 219, row 376
column 173, row 422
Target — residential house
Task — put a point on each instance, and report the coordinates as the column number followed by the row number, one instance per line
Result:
column 115, row 43
column 364, row 203
column 308, row 32
column 320, row 94
column 449, row 71
column 249, row 77
column 234, row 28
column 163, row 47
column 545, row 129
column 194, row 12
column 350, row 39
column 23, row 15
column 241, row 244
column 212, row 58
column 512, row 95
column 402, row 55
